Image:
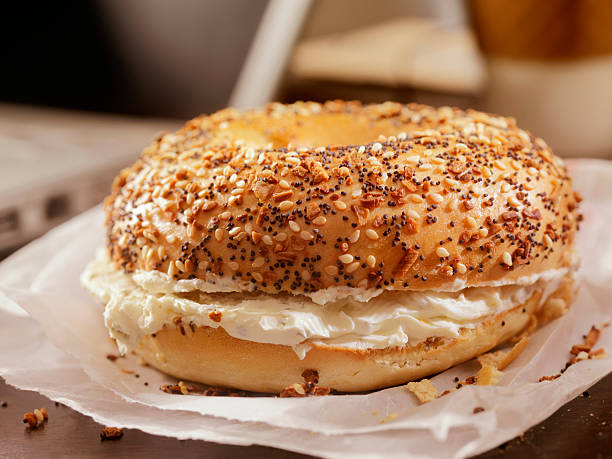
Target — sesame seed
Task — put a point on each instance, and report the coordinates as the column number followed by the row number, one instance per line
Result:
column 340, row 205
column 435, row 198
column 352, row 267
column 461, row 268
column 219, row 234
column 513, row 201
column 415, row 198
column 284, row 184
column 346, row 258
column 376, row 147
column 293, row 161
column 179, row 265
column 233, row 265
column 451, row 182
column 470, row 222
column 235, row 230
column 225, row 215
column 413, row 214
column 371, row 234
column 286, row 205
column 371, row 261
column 259, row 262
column 355, row 193
column 483, row 232
column 281, row 237
column 507, row 258
column 267, row 239
column 331, row 270
column 532, row 171
column 505, row 187
column 547, row 241
column 294, row 226
column 461, row 148
column 257, row 276
column 320, row 220
column 442, row 252
column 305, row 235
column 237, row 191
column 500, row 165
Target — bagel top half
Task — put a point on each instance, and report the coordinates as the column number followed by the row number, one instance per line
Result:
column 305, row 197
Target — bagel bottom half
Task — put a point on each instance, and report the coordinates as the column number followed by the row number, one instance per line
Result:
column 211, row 356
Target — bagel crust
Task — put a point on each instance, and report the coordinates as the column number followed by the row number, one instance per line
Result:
column 304, row 197
column 211, row 356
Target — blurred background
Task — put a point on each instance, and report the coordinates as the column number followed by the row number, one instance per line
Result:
column 86, row 84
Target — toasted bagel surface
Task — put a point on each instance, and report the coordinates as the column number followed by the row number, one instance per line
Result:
column 303, row 197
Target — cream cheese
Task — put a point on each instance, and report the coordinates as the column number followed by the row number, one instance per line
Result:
column 142, row 303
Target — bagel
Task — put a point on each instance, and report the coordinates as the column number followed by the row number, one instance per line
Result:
column 375, row 244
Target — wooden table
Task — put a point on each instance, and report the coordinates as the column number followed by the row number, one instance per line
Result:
column 582, row 428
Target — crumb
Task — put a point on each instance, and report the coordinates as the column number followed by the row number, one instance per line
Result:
column 36, row 418
column 215, row 316
column 308, row 387
column 478, row 409
column 577, row 348
column 188, row 389
column 597, row 353
column 310, row 376
column 592, row 337
column 223, row 391
column 549, row 378
column 424, row 390
column 126, row 371
column 516, row 350
column 294, row 390
column 389, row 417
column 183, row 388
column 488, row 376
column 180, row 388
column 111, row 433
column 112, row 357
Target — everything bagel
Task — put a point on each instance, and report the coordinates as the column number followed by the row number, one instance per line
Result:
column 262, row 229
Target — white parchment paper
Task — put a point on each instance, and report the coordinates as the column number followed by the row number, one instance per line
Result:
column 59, row 349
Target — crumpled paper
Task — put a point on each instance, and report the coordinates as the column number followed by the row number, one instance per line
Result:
column 59, row 349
